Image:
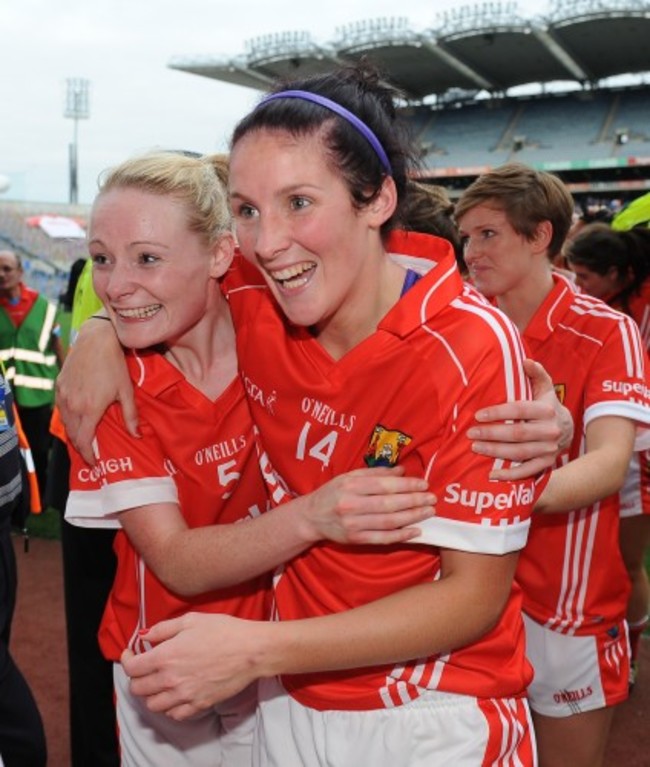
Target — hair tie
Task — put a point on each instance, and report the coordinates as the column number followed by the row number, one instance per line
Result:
column 354, row 121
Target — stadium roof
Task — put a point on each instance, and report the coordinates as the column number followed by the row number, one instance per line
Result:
column 472, row 48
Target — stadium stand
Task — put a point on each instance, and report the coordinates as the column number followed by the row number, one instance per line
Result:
column 632, row 118
column 461, row 76
column 46, row 260
column 467, row 134
column 484, row 85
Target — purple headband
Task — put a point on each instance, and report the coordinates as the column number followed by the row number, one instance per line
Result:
column 360, row 126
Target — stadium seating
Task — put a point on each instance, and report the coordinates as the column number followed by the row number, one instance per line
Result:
column 633, row 117
column 466, row 136
column 580, row 126
column 46, row 261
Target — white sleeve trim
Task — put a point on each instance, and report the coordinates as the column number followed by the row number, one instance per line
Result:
column 101, row 507
column 475, row 538
column 634, row 411
column 132, row 493
column 84, row 509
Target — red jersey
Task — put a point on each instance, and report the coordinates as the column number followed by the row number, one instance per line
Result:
column 571, row 571
column 194, row 452
column 635, row 495
column 406, row 394
column 18, row 309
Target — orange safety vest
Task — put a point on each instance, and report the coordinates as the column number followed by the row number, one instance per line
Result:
column 56, row 425
column 26, row 452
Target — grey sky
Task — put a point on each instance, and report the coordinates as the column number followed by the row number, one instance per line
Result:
column 136, row 101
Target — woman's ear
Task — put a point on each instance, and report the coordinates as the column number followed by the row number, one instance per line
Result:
column 543, row 235
column 223, row 252
column 384, row 204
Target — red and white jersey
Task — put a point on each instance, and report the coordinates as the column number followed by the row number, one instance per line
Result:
column 194, row 452
column 571, row 571
column 405, row 395
column 635, row 495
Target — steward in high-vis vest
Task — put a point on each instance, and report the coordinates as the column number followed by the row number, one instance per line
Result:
column 27, row 353
column 31, row 351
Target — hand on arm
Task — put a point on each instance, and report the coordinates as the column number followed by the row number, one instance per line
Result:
column 366, row 506
column 202, row 659
column 93, row 376
column 596, row 474
column 531, row 432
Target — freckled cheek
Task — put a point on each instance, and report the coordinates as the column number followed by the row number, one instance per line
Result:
column 100, row 282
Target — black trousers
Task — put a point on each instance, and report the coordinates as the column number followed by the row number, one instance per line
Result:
column 22, row 738
column 89, row 565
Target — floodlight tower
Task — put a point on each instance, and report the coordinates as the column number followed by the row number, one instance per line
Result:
column 77, row 108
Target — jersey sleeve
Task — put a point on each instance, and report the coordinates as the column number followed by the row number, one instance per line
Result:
column 618, row 380
column 129, row 472
column 474, row 513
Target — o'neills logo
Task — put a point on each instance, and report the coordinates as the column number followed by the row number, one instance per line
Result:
column 322, row 413
column 103, row 468
column 572, row 696
column 220, row 450
column 626, row 388
column 480, row 500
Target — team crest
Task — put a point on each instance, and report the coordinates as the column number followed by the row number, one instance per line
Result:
column 560, row 392
column 385, row 446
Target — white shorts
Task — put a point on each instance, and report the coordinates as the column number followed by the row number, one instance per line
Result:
column 634, row 496
column 574, row 674
column 435, row 730
column 220, row 737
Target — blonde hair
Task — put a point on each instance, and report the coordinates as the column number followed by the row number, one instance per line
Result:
column 198, row 182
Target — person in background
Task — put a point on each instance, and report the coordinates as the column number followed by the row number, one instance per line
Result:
column 615, row 267
column 66, row 298
column 428, row 209
column 513, row 221
column 633, row 214
column 89, row 566
column 22, row 737
column 32, row 352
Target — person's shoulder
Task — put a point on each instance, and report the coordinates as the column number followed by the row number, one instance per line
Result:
column 474, row 335
column 474, row 310
column 31, row 293
column 247, row 294
column 150, row 372
column 241, row 277
column 39, row 299
column 591, row 311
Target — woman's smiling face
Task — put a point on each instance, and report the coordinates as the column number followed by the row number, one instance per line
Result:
column 296, row 221
column 149, row 269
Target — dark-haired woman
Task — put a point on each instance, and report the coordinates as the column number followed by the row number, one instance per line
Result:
column 615, row 267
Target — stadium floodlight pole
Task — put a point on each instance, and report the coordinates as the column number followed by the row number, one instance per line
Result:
column 77, row 107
